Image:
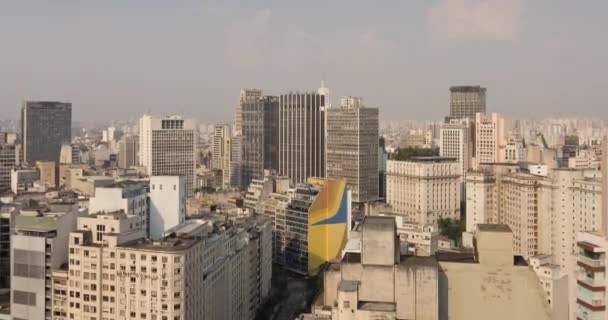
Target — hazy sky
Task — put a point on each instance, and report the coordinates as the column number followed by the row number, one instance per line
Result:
column 115, row 59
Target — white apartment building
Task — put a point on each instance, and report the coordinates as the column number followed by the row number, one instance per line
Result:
column 201, row 271
column 489, row 138
column 424, row 189
column 39, row 245
column 456, row 141
column 168, row 147
column 129, row 196
column 167, row 204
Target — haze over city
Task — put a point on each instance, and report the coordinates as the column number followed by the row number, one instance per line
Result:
column 118, row 59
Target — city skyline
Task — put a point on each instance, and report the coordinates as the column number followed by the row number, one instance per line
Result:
column 121, row 61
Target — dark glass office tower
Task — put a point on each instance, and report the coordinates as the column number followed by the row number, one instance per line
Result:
column 260, row 137
column 302, row 136
column 45, row 126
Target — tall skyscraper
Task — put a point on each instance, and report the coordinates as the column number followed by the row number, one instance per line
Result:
column 236, row 161
column 8, row 160
column 466, row 101
column 302, row 136
column 352, row 147
column 245, row 96
column 45, row 126
column 489, row 138
column 259, row 137
column 168, row 147
column 221, row 150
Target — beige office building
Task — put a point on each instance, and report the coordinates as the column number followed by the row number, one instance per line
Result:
column 544, row 212
column 424, row 189
column 201, row 271
column 489, row 138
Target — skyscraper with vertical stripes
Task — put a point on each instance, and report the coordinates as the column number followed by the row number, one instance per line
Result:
column 302, row 120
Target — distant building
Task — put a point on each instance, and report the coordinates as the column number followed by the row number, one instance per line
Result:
column 236, row 161
column 128, row 151
column 466, row 101
column 168, row 147
column 352, row 146
column 8, row 160
column 302, row 148
column 48, row 173
column 489, row 138
column 221, row 152
column 456, row 141
column 424, row 189
column 245, row 95
column 45, row 126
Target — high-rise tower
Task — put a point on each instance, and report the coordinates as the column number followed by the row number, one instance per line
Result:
column 302, row 135
column 168, row 147
column 466, row 101
column 352, row 147
column 45, row 126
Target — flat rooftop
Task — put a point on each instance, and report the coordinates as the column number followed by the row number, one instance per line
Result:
column 493, row 227
column 170, row 244
column 377, row 306
column 467, row 89
column 431, row 159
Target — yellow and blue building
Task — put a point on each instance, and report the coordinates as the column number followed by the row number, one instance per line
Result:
column 312, row 227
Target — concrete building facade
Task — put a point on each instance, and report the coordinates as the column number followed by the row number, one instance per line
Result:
column 168, row 147
column 203, row 270
column 352, row 147
column 466, row 101
column 456, row 141
column 489, row 138
column 167, row 204
column 128, row 152
column 39, row 245
column 424, row 189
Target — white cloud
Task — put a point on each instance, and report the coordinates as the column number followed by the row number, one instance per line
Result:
column 477, row 19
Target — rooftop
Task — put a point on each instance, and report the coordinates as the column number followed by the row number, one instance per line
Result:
column 493, row 227
column 467, row 89
column 436, row 159
column 376, row 306
column 348, row 286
